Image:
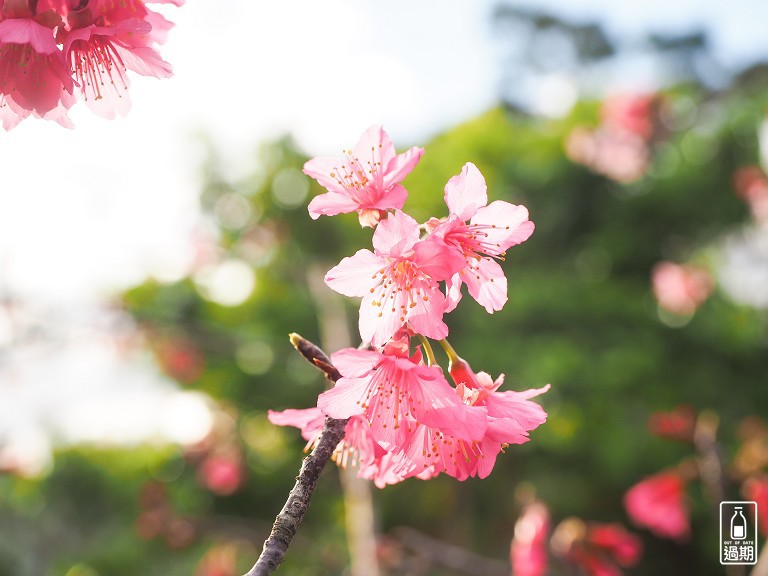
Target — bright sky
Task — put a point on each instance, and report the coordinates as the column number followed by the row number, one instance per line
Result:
column 96, row 208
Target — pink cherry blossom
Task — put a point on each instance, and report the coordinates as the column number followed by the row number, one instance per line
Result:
column 365, row 180
column 395, row 393
column 528, row 552
column 358, row 449
column 100, row 57
column 659, row 504
column 398, row 281
column 492, row 229
column 510, row 417
column 33, row 74
column 48, row 47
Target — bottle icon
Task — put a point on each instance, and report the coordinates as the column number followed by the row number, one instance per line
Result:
column 738, row 525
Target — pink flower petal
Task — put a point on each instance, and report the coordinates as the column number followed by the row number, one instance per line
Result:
column 486, row 283
column 396, row 235
column 353, row 362
column 331, row 204
column 354, row 275
column 426, row 317
column 323, row 169
column 378, row 321
column 452, row 293
column 394, row 197
column 435, row 258
column 466, row 192
column 27, row 31
column 344, row 399
column 505, row 224
column 402, row 165
column 310, row 420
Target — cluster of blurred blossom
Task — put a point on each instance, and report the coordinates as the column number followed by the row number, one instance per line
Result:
column 661, row 503
column 54, row 51
column 620, row 147
column 589, row 548
column 405, row 419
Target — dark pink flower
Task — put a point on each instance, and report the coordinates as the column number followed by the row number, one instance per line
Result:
column 395, row 393
column 481, row 232
column 659, row 504
column 528, row 552
column 756, row 490
column 616, row 541
column 47, row 47
column 366, row 180
column 677, row 424
column 33, row 73
column 399, row 281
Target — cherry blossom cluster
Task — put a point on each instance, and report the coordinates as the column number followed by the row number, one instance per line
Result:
column 54, row 51
column 404, row 418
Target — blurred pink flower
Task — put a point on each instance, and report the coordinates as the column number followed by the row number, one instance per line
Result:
column 752, row 186
column 222, row 474
column 677, row 424
column 366, row 180
column 399, row 281
column 659, row 504
column 528, row 552
column 620, row 147
column 492, row 229
column 616, row 541
column 756, row 489
column 621, row 156
column 631, row 113
column 681, row 288
column 596, row 549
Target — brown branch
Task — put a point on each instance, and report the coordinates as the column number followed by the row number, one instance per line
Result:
column 290, row 517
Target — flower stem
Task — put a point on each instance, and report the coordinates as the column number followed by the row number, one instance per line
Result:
column 290, row 517
column 431, row 361
column 452, row 355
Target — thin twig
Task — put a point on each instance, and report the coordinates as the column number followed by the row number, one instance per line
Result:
column 290, row 517
column 450, row 556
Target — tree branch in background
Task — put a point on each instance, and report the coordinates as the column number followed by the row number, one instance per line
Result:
column 290, row 517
